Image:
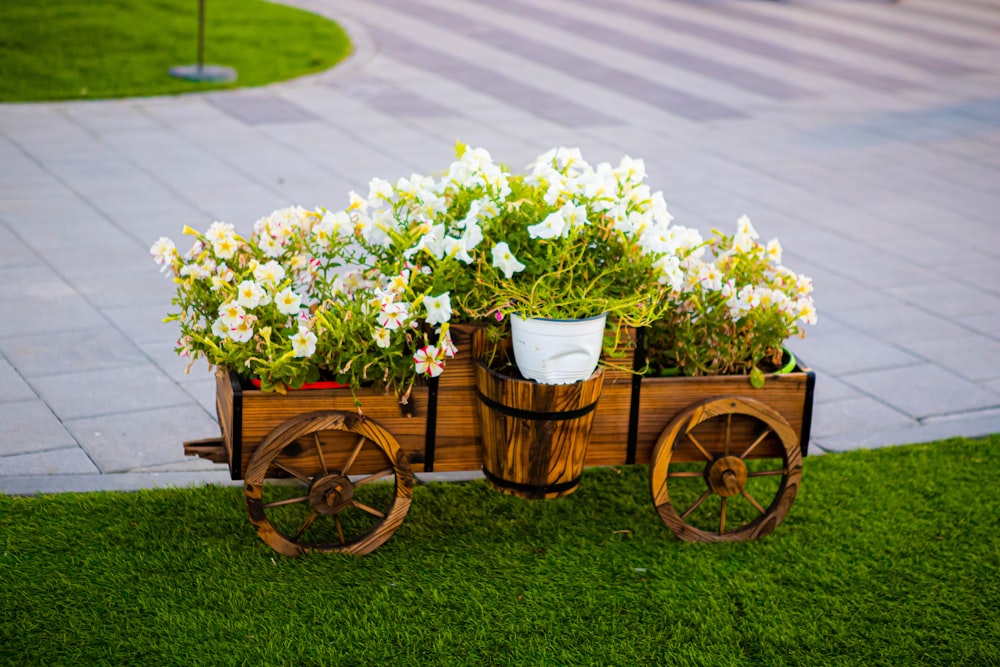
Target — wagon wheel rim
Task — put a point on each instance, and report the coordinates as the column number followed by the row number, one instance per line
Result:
column 320, row 508
column 723, row 479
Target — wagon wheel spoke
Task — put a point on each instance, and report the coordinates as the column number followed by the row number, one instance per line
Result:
column 305, row 525
column 354, row 455
column 701, row 448
column 372, row 477
column 741, row 438
column 753, row 501
column 685, row 473
column 365, row 508
column 767, row 473
column 729, row 436
column 756, row 442
column 292, row 471
column 696, row 503
column 288, row 501
column 319, row 452
column 310, row 449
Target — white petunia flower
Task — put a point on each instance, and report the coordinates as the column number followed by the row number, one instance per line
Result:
column 231, row 314
column 303, row 342
column 429, row 361
column 438, row 308
column 163, row 251
column 269, row 273
column 551, row 227
column 242, row 331
column 382, row 337
column 250, row 294
column 504, row 260
column 287, row 301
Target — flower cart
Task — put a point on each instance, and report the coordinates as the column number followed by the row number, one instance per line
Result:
column 519, row 284
column 305, row 455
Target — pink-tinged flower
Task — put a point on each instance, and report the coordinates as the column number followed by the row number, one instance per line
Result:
column 393, row 316
column 429, row 361
column 499, row 316
column 231, row 314
column 446, row 343
column 163, row 251
column 303, row 342
column 242, row 332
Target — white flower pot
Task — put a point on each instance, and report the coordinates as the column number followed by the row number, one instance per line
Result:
column 557, row 351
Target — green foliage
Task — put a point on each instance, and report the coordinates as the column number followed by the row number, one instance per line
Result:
column 888, row 557
column 72, row 49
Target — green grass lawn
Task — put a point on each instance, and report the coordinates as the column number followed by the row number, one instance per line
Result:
column 889, row 557
column 78, row 49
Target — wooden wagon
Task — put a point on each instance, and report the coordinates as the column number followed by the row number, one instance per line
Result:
column 725, row 458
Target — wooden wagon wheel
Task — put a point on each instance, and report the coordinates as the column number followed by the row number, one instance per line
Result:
column 323, row 505
column 737, row 452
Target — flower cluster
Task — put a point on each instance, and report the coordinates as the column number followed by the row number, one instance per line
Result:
column 367, row 294
column 293, row 302
column 735, row 308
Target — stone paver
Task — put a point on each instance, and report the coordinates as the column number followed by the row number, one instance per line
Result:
column 865, row 135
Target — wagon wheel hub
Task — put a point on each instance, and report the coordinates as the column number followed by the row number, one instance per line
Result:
column 727, row 476
column 330, row 494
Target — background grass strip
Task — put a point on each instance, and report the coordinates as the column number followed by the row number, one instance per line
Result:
column 888, row 557
column 75, row 49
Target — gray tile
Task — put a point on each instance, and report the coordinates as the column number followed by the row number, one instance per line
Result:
column 70, row 352
column 30, row 426
column 949, row 298
column 12, row 385
column 902, row 324
column 120, row 443
column 830, row 389
column 144, row 325
column 513, row 91
column 19, row 317
column 975, row 358
column 123, row 288
column 35, row 281
column 13, row 253
column 848, row 351
column 854, row 417
column 109, row 392
column 36, row 484
column 70, row 461
column 923, row 391
column 258, row 109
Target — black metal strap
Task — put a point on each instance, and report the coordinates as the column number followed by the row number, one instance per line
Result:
column 430, row 436
column 638, row 364
column 561, row 415
column 535, row 489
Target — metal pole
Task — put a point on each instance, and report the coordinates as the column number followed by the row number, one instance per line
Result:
column 200, row 71
column 201, row 35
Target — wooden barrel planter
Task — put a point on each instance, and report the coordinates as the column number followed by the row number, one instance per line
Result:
column 535, row 436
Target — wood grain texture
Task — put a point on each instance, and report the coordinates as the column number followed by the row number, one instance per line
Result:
column 537, row 451
column 724, row 473
column 324, row 474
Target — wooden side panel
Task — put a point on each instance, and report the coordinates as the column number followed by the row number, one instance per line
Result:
column 662, row 399
column 609, row 435
column 263, row 412
column 224, row 406
column 458, row 443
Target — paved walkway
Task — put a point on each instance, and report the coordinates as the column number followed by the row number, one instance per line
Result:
column 865, row 135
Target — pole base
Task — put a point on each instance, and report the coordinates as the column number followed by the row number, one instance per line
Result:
column 214, row 73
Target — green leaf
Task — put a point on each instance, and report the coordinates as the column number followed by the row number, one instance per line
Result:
column 757, row 378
